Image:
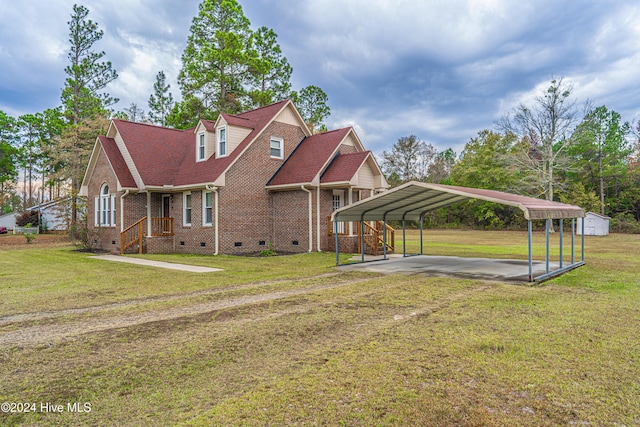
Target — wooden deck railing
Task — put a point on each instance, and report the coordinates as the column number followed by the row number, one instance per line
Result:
column 374, row 235
column 135, row 232
column 131, row 235
column 162, row 226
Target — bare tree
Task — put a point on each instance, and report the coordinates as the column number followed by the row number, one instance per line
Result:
column 546, row 127
column 135, row 113
column 409, row 159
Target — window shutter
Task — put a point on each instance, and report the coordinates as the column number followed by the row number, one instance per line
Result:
column 113, row 210
column 96, row 211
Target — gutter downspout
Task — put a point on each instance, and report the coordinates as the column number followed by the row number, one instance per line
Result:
column 310, row 217
column 125, row 194
column 214, row 190
column 318, row 219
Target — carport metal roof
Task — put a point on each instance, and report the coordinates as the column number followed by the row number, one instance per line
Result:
column 412, row 200
column 409, row 201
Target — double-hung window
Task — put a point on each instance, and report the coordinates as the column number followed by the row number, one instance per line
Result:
column 207, row 208
column 222, row 142
column 275, row 147
column 201, row 147
column 186, row 211
column 105, row 208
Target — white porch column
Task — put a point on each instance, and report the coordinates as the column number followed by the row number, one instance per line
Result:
column 148, row 213
column 350, row 202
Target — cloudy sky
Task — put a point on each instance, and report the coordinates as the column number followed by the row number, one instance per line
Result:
column 439, row 69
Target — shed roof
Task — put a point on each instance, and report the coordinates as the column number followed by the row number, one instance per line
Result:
column 410, row 200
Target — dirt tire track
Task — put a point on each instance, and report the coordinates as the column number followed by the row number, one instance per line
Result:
column 42, row 315
column 49, row 334
column 52, row 334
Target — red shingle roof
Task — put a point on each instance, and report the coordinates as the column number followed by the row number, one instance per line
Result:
column 166, row 156
column 192, row 172
column 344, row 167
column 157, row 152
column 117, row 162
column 308, row 158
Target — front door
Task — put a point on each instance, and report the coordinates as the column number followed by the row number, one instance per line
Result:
column 166, row 213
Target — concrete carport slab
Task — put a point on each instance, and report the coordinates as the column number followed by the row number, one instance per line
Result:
column 412, row 200
column 504, row 270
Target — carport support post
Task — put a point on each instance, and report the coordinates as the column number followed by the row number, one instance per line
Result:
column 561, row 225
column 404, row 240
column 547, row 232
column 384, row 238
column 530, row 233
column 582, row 222
column 362, row 237
column 335, row 231
column 421, row 221
column 573, row 240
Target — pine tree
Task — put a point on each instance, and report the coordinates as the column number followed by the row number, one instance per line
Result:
column 82, row 98
column 215, row 60
column 160, row 101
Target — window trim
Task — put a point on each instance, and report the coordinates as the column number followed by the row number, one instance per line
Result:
column 220, row 142
column 105, row 208
column 201, row 147
column 205, row 208
column 187, row 195
column 281, row 142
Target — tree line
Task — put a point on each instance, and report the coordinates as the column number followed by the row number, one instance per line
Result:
column 226, row 67
column 549, row 149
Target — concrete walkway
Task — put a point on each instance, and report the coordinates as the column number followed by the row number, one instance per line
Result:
column 506, row 270
column 159, row 264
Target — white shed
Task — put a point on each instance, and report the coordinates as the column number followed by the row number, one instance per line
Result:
column 8, row 220
column 594, row 225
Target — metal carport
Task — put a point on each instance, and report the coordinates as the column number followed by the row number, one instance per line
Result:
column 411, row 201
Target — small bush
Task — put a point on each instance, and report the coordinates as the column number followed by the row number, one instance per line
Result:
column 29, row 236
column 83, row 237
column 28, row 217
column 624, row 223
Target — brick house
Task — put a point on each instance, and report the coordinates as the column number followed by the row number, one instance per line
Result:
column 240, row 184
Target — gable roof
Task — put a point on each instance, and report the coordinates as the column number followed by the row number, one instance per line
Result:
column 344, row 167
column 308, row 159
column 167, row 146
column 119, row 166
column 166, row 157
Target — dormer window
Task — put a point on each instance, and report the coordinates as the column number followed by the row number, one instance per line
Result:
column 222, row 142
column 201, row 147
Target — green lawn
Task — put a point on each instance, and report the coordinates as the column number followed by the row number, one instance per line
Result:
column 290, row 341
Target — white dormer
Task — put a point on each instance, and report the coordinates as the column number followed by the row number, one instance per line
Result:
column 222, row 146
column 228, row 135
column 201, row 148
column 204, row 141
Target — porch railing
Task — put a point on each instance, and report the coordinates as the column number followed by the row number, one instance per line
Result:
column 135, row 232
column 374, row 235
column 162, row 226
column 131, row 235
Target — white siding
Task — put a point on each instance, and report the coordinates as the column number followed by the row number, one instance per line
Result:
column 349, row 141
column 366, row 177
column 288, row 117
column 235, row 135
